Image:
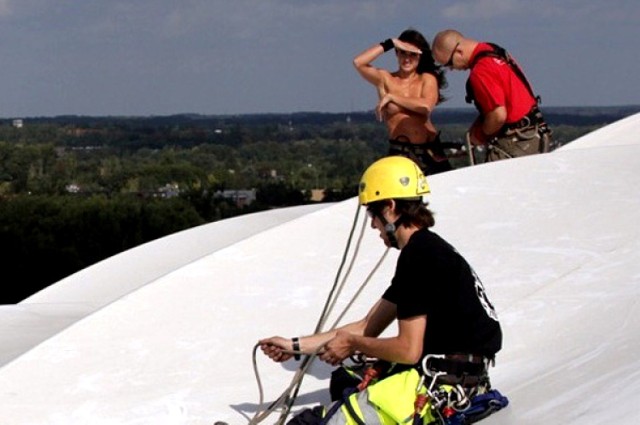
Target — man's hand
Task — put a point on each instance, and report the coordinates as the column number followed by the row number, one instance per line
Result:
column 275, row 348
column 476, row 134
column 338, row 349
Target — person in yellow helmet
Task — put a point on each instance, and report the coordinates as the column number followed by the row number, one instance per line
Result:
column 448, row 330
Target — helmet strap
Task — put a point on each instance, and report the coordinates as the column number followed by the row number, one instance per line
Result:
column 390, row 230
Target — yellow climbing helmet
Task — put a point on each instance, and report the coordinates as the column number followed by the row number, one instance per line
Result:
column 392, row 177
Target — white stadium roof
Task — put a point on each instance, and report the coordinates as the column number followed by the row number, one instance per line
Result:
column 164, row 333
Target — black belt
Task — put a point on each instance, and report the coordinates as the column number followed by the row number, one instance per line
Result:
column 471, row 358
column 456, row 367
column 468, row 370
column 407, row 147
column 467, row 381
column 433, row 149
column 457, row 364
column 532, row 118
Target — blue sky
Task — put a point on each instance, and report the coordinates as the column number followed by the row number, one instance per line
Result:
column 161, row 57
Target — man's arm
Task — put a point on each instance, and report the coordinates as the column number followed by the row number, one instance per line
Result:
column 483, row 129
column 494, row 120
column 377, row 319
column 405, row 348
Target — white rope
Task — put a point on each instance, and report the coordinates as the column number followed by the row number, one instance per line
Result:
column 285, row 398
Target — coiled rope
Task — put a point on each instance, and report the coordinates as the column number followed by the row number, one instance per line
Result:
column 288, row 396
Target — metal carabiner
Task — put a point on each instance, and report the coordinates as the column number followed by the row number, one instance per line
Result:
column 426, row 371
column 426, row 359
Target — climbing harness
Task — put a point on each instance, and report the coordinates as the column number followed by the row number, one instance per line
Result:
column 443, row 390
column 430, row 156
column 501, row 53
column 529, row 135
column 470, row 149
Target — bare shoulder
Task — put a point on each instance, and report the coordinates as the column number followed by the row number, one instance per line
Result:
column 427, row 77
column 428, row 80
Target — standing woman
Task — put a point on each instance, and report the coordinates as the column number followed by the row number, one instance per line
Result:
column 407, row 97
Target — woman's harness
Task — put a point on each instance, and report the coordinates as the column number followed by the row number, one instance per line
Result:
column 430, row 156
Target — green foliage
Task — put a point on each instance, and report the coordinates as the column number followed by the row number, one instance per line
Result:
column 45, row 238
column 280, row 195
column 76, row 190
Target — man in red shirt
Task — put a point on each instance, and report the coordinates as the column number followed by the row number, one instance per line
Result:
column 510, row 123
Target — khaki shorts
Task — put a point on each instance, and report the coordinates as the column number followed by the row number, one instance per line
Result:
column 520, row 142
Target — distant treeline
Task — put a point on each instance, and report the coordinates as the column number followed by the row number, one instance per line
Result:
column 556, row 115
column 77, row 189
column 46, row 238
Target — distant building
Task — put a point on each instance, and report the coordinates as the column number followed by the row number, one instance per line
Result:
column 169, row 190
column 17, row 123
column 72, row 188
column 241, row 198
column 317, row 195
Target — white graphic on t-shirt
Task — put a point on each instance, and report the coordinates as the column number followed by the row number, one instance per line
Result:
column 483, row 297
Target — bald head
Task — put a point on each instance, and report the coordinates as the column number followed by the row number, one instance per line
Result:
column 450, row 48
column 443, row 44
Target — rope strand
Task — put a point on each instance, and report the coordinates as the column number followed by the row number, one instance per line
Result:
column 288, row 396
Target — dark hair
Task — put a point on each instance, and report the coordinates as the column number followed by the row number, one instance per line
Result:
column 427, row 63
column 414, row 212
column 411, row 211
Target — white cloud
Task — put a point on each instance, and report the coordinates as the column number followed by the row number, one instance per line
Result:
column 246, row 55
column 5, row 7
column 484, row 9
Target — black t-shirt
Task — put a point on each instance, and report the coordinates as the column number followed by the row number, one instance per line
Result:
column 432, row 278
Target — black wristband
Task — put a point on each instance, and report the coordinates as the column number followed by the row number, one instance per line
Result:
column 296, row 347
column 387, row 44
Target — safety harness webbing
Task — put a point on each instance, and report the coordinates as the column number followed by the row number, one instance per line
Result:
column 501, row 53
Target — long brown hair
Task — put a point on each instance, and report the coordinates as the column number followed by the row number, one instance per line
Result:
column 427, row 63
